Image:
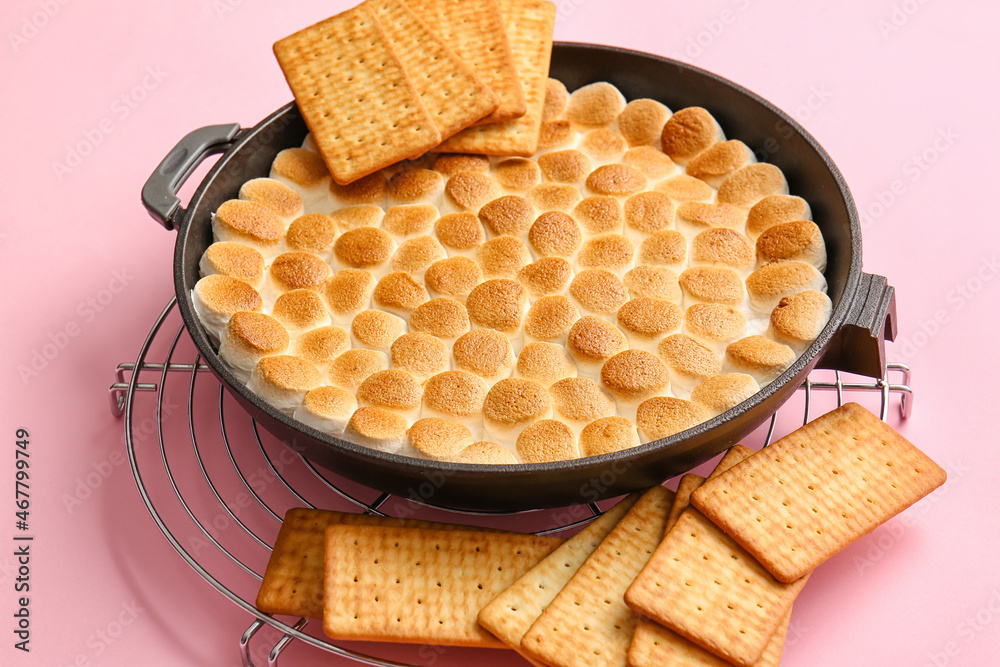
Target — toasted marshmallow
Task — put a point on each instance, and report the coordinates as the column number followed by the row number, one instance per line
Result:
column 442, row 317
column 415, row 186
column 598, row 292
column 647, row 213
column 618, row 180
column 549, row 319
column 305, row 172
column 468, row 191
column 720, row 160
column 367, row 248
column 612, row 252
column 450, row 164
column 711, row 284
column 555, row 234
column 723, row 247
column 314, row 233
column 724, row 391
column 275, row 195
column 607, row 435
column 545, row 363
column 309, row 143
column 322, row 345
column 664, row 248
column 554, row 197
column 296, row 270
column 394, row 390
column 774, row 210
column 688, row 132
column 517, row 174
column 647, row 321
column 249, row 223
column 513, row 404
column 569, row 166
column 600, row 214
column 249, row 337
column 797, row 320
column 486, row 353
column 689, row 362
column 546, row 276
column 695, row 217
column 768, row 284
column 603, row 145
column 283, row 381
column 362, row 215
column 577, row 401
column 461, row 234
column 663, row 416
column 715, row 325
column 409, row 220
column 595, row 104
column 652, row 162
column 592, row 341
column 348, row 292
column 546, row 441
column 641, row 122
column 300, row 310
column 327, row 409
column 369, row 189
column 439, row 439
column 415, row 255
column 376, row 330
column 456, row 396
column 509, row 215
column 378, row 429
column 633, row 376
column 353, row 367
column 420, row 354
column 759, row 357
column 454, row 277
column 502, row 257
column 800, row 240
column 655, row 282
column 486, row 453
column 556, row 98
column 236, row 260
column 217, row 298
column 748, row 185
column 684, row 188
column 498, row 304
column 555, row 134
column 398, row 293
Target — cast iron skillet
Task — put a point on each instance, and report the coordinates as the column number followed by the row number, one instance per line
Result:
column 854, row 340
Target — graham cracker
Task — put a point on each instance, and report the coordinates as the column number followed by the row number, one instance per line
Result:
column 682, row 500
column 511, row 613
column 474, row 30
column 702, row 585
column 449, row 89
column 529, row 25
column 736, row 454
column 815, row 491
column 415, row 585
column 588, row 622
column 359, row 103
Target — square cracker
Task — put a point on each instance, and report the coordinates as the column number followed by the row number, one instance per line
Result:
column 588, row 622
column 474, row 31
column 815, row 491
column 705, row 587
column 529, row 25
column 420, row 585
column 449, row 89
column 736, row 454
column 361, row 107
column 511, row 613
column 682, row 500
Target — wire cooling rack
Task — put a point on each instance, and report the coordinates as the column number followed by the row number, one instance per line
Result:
column 217, row 486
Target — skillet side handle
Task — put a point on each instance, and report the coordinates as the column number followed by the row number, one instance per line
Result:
column 159, row 194
column 859, row 346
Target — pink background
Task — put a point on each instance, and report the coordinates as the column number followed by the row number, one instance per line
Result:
column 879, row 84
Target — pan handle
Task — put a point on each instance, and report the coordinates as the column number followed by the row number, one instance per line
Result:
column 859, row 345
column 159, row 194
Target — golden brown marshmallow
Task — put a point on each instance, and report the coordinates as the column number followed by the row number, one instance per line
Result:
column 641, row 122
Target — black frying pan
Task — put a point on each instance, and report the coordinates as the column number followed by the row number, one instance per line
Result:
column 854, row 340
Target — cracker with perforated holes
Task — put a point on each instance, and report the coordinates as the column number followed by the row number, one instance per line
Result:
column 418, row 585
column 529, row 25
column 359, row 103
column 815, row 491
column 682, row 500
column 736, row 454
column 702, row 585
column 511, row 613
column 474, row 30
column 588, row 623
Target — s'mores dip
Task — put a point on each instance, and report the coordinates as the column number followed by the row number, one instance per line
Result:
column 626, row 274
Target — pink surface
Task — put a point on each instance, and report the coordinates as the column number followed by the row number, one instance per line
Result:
column 899, row 93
